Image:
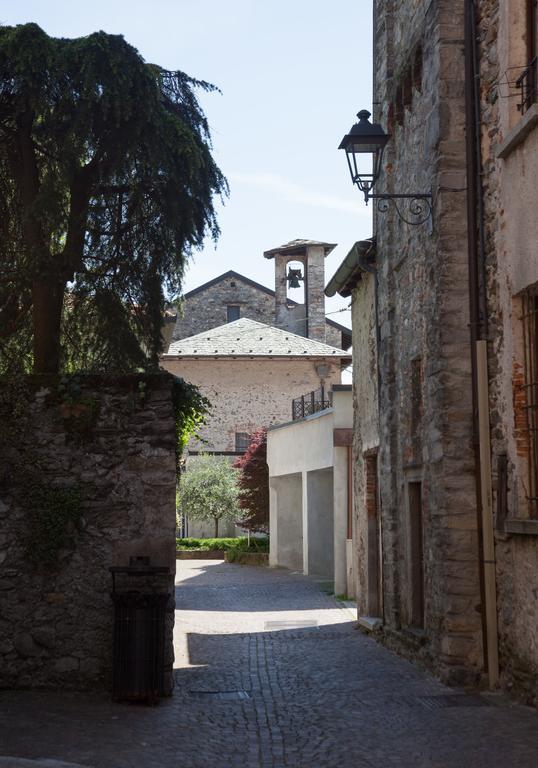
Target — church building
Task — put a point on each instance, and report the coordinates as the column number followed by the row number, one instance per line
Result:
column 252, row 350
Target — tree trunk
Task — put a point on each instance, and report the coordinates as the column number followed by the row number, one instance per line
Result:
column 216, row 527
column 47, row 298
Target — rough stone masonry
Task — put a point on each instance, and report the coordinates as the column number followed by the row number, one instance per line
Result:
column 425, row 404
column 112, row 440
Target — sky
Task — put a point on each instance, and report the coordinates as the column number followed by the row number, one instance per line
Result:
column 293, row 74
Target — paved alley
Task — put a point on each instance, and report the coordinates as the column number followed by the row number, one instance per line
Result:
column 272, row 672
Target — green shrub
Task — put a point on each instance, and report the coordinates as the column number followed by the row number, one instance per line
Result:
column 239, row 544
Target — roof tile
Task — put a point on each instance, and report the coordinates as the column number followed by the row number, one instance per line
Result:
column 255, row 340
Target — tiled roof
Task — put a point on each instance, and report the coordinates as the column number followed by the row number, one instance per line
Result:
column 298, row 247
column 248, row 338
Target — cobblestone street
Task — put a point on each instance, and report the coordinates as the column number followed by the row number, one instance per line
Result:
column 272, row 672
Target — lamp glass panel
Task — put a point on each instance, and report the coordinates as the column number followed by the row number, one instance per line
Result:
column 360, row 163
column 365, row 146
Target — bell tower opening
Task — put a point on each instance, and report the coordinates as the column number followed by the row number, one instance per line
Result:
column 308, row 256
column 295, row 279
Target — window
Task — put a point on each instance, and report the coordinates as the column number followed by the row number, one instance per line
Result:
column 530, row 342
column 233, row 312
column 242, row 441
column 374, row 597
column 417, row 409
column 532, row 28
column 415, row 555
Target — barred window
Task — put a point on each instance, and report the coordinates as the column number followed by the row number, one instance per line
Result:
column 527, row 82
column 242, row 441
column 530, row 341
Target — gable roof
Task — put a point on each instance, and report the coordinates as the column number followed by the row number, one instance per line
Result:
column 249, row 338
column 224, row 275
column 259, row 286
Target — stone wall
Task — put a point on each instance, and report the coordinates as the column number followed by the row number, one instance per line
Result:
column 510, row 168
column 206, row 309
column 424, row 351
column 249, row 394
column 112, row 441
column 365, row 423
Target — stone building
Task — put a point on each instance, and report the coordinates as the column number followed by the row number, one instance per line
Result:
column 256, row 349
column 507, row 46
column 445, row 345
column 231, row 296
column 251, row 372
column 231, row 323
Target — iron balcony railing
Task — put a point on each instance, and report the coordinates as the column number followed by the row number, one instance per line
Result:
column 527, row 83
column 310, row 403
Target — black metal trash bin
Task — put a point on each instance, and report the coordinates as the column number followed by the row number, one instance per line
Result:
column 138, row 662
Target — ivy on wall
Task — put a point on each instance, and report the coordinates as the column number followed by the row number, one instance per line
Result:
column 53, row 511
column 191, row 410
column 54, row 514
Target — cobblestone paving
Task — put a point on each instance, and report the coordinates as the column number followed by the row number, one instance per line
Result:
column 272, row 672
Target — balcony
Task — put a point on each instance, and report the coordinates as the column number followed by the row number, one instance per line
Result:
column 312, row 402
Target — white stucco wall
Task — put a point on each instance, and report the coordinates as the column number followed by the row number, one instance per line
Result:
column 302, row 445
column 304, row 449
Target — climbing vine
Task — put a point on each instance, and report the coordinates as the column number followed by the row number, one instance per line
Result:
column 191, row 410
column 53, row 511
column 54, row 514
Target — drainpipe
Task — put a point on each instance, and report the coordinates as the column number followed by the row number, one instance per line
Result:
column 479, row 331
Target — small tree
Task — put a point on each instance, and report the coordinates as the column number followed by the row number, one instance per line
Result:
column 254, row 484
column 209, row 491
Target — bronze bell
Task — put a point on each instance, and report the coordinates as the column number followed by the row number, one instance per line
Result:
column 294, row 275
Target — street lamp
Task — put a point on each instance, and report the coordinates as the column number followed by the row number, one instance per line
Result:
column 364, row 138
column 369, row 138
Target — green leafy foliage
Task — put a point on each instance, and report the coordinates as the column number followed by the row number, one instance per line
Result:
column 54, row 513
column 208, row 490
column 107, row 184
column 239, row 543
column 191, row 410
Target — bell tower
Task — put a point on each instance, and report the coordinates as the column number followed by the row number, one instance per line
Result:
column 306, row 319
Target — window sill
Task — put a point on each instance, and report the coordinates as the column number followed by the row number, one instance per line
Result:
column 518, row 134
column 525, row 527
column 371, row 623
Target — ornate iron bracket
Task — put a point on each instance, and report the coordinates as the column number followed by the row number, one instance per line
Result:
column 415, row 210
